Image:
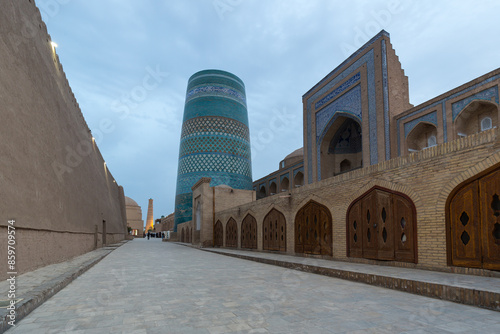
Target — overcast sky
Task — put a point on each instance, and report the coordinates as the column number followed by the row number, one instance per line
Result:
column 129, row 61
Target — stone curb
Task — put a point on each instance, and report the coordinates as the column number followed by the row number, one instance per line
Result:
column 480, row 298
column 38, row 295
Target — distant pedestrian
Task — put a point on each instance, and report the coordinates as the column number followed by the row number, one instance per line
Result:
column 148, row 235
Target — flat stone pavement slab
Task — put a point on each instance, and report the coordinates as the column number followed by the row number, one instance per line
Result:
column 35, row 287
column 149, row 286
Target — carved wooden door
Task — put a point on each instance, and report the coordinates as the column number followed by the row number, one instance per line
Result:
column 218, row 234
column 355, row 230
column 383, row 225
column 489, row 192
column 274, row 231
column 249, row 232
column 325, row 219
column 404, row 230
column 464, row 220
column 369, row 225
column 231, row 233
column 313, row 230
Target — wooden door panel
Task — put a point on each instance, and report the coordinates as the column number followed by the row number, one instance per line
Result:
column 489, row 193
column 404, row 230
column 383, row 225
column 274, row 231
column 464, row 224
column 249, row 232
column 326, row 232
column 370, row 246
column 355, row 230
column 218, row 234
column 299, row 233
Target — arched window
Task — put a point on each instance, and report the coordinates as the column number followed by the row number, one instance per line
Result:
column 298, row 180
column 262, row 192
column 272, row 188
column 285, row 184
column 486, row 124
column 431, row 141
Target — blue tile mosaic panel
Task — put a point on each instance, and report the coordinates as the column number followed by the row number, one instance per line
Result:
column 429, row 118
column 486, row 94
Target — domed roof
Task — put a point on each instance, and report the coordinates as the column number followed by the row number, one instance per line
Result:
column 296, row 153
column 130, row 201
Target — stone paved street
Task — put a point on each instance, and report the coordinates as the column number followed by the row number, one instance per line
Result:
column 157, row 287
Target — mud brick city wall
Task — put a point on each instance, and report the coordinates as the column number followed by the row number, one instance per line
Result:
column 426, row 177
column 53, row 179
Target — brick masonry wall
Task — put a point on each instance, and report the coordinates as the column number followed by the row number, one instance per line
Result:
column 54, row 181
column 426, row 177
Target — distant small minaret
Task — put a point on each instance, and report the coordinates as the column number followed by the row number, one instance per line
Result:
column 150, row 220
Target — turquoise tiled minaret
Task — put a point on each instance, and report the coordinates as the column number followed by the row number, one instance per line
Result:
column 215, row 140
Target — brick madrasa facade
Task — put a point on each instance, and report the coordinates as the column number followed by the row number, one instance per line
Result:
column 377, row 180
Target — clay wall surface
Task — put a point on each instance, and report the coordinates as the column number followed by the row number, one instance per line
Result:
column 54, row 181
column 426, row 177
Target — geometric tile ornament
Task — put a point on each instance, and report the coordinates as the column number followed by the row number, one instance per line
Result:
column 215, row 140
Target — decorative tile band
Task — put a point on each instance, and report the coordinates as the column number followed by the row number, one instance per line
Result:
column 351, row 81
column 214, row 163
column 486, row 94
column 212, row 125
column 208, row 90
column 386, row 102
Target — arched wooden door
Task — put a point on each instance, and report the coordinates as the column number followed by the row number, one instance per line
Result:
column 218, row 234
column 381, row 225
column 182, row 235
column 249, row 232
column 474, row 223
column 313, row 230
column 274, row 231
column 231, row 233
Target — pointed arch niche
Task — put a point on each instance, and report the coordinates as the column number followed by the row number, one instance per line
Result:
column 477, row 116
column 341, row 147
column 423, row 135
